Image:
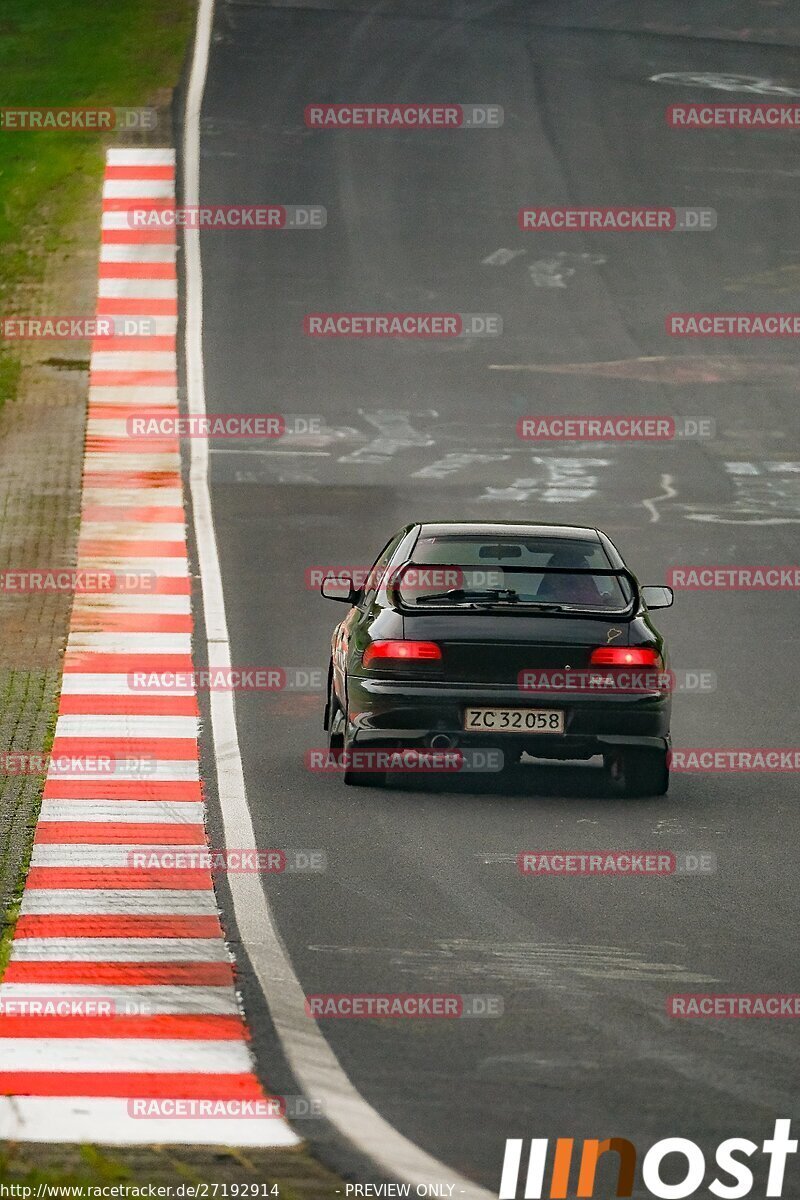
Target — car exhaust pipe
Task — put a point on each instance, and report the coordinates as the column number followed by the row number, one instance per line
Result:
column 442, row 741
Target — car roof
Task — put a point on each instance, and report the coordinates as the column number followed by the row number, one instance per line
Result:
column 584, row 533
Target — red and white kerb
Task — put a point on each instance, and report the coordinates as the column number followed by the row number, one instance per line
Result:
column 93, row 927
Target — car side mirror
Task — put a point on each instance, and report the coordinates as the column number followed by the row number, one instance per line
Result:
column 340, row 587
column 656, row 596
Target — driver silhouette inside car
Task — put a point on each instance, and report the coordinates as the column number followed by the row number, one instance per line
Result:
column 570, row 589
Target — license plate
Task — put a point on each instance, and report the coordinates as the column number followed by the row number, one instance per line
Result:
column 514, row 720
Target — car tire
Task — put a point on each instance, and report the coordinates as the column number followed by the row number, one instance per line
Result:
column 336, row 724
column 364, row 778
column 374, row 779
column 638, row 771
column 337, row 742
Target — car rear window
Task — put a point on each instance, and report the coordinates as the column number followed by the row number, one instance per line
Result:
column 511, row 551
column 511, row 572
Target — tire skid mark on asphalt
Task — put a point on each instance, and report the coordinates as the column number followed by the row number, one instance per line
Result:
column 519, row 961
column 144, row 946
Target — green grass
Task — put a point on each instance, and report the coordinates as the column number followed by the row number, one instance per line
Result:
column 9, row 376
column 82, row 1167
column 90, row 1168
column 45, row 699
column 8, row 920
column 69, row 53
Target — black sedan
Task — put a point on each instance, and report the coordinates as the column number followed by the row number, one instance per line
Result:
column 471, row 644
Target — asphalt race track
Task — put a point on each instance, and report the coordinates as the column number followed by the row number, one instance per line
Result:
column 422, row 893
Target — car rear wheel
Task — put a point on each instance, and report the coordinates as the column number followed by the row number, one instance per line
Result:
column 638, row 771
column 365, row 778
column 357, row 778
column 335, row 727
column 338, row 744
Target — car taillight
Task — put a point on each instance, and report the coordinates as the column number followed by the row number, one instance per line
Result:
column 397, row 651
column 625, row 656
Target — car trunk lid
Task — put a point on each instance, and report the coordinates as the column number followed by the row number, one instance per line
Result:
column 497, row 648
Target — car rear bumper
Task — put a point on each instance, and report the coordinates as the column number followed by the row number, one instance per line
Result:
column 395, row 713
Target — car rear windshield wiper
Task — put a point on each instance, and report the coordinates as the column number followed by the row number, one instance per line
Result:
column 489, row 596
column 469, row 594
